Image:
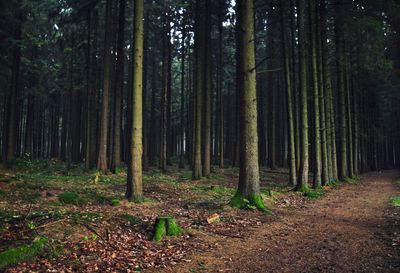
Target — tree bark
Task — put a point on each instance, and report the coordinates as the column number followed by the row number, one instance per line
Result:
column 134, row 191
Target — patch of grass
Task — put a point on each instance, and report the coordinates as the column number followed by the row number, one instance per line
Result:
column 311, row 193
column 23, row 253
column 161, row 177
column 115, row 202
column 395, row 201
column 32, row 197
column 184, row 174
column 71, row 198
column 133, row 220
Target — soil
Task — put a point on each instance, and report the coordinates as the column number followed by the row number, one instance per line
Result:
column 352, row 229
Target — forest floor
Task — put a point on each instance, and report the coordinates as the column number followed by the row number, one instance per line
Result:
column 87, row 225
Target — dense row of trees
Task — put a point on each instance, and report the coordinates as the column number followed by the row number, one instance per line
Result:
column 309, row 85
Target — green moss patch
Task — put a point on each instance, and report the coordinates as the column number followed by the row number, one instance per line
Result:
column 311, row 193
column 71, row 198
column 23, row 253
column 166, row 226
column 395, row 201
column 252, row 202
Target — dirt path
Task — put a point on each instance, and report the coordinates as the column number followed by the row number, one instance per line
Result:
column 349, row 230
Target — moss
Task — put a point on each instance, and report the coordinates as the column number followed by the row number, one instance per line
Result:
column 310, row 193
column 137, row 199
column 173, row 228
column 395, row 201
column 71, row 198
column 22, row 253
column 252, row 202
column 115, row 202
column 166, row 226
column 160, row 229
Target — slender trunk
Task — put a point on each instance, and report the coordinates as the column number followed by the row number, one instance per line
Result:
column 199, row 52
column 182, row 129
column 304, row 165
column 289, row 98
column 102, row 157
column 134, row 191
column 12, row 98
column 316, row 98
column 118, row 87
column 343, row 173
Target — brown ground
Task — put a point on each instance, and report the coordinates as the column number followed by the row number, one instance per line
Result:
column 352, row 229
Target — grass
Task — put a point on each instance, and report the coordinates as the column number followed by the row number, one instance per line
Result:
column 71, row 198
column 23, row 253
column 395, row 201
column 311, row 193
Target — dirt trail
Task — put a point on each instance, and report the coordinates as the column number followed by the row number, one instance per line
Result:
column 349, row 230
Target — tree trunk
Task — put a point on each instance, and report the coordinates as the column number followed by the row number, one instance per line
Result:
column 11, row 124
column 249, row 179
column 134, row 190
column 289, row 97
column 199, row 85
column 102, row 157
column 343, row 171
column 119, row 85
column 314, row 68
column 304, row 165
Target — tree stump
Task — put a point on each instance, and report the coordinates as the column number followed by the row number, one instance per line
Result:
column 166, row 226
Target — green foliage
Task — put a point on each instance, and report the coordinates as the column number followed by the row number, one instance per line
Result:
column 252, row 202
column 71, row 198
column 115, row 202
column 166, row 226
column 395, row 201
column 22, row 253
column 311, row 193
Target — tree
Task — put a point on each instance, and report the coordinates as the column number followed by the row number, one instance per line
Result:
column 316, row 98
column 199, row 85
column 102, row 158
column 118, row 87
column 248, row 192
column 340, row 51
column 134, row 189
column 11, row 124
column 304, row 165
column 289, row 95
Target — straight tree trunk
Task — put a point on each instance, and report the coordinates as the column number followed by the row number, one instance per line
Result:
column 249, row 179
column 289, row 98
column 134, row 190
column 199, row 85
column 304, row 165
column 182, row 129
column 316, row 98
column 11, row 126
column 119, row 84
column 102, row 157
column 340, row 51
column 164, row 100
column 322, row 98
column 207, row 96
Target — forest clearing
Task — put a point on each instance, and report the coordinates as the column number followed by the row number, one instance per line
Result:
column 200, row 136
column 344, row 227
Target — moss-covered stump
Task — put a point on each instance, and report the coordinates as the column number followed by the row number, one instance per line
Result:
column 166, row 226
